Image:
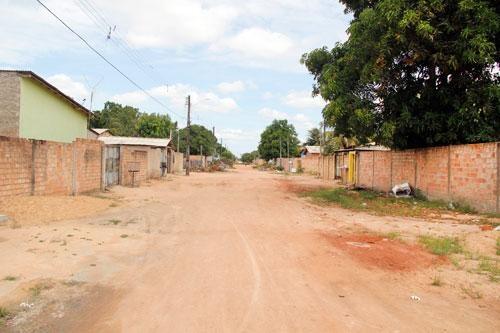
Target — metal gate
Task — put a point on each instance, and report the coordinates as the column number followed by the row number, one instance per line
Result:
column 112, row 155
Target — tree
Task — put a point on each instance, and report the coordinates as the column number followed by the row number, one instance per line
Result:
column 249, row 157
column 280, row 131
column 120, row 120
column 154, row 125
column 199, row 137
column 413, row 73
column 313, row 138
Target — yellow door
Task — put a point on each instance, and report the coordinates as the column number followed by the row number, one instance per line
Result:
column 351, row 172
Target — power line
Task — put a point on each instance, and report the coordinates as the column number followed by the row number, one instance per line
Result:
column 106, row 60
column 133, row 54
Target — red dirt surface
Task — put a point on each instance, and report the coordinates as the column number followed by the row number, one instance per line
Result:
column 383, row 253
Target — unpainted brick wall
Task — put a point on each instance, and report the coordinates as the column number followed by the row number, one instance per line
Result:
column 466, row 174
column 133, row 155
column 35, row 167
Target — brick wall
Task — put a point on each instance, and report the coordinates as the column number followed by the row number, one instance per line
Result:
column 462, row 173
column 44, row 167
column 133, row 156
column 10, row 99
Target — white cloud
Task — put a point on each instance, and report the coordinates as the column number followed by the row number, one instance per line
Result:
column 231, row 87
column 303, row 100
column 260, row 43
column 299, row 120
column 174, row 23
column 70, row 87
column 229, row 134
column 176, row 94
column 272, row 114
column 267, row 95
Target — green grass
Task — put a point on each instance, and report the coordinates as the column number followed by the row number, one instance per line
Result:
column 114, row 221
column 393, row 235
column 436, row 281
column 491, row 268
column 374, row 202
column 37, row 289
column 10, row 278
column 4, row 313
column 441, row 245
column 124, row 236
column 498, row 246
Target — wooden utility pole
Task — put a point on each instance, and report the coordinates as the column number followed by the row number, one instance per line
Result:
column 188, row 130
column 281, row 163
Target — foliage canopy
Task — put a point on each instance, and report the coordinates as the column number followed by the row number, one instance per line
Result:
column 413, row 73
column 280, row 131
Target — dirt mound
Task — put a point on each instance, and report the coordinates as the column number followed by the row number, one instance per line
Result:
column 383, row 253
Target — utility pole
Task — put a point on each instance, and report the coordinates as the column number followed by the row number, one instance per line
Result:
column 188, row 130
column 281, row 163
column 288, row 152
column 201, row 156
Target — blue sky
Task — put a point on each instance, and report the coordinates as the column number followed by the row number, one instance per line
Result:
column 239, row 60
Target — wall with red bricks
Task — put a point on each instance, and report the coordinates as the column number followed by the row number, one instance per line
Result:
column 463, row 173
column 131, row 157
column 88, row 155
column 36, row 167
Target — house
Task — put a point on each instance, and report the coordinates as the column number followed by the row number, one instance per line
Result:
column 94, row 133
column 32, row 108
column 310, row 151
column 130, row 160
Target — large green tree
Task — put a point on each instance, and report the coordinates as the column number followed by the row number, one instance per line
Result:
column 121, row 120
column 413, row 73
column 199, row 137
column 154, row 125
column 280, row 131
column 249, row 157
column 313, row 137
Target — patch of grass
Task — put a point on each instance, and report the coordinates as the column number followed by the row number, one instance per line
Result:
column 491, row 268
column 436, row 281
column 37, row 289
column 10, row 278
column 441, row 245
column 4, row 313
column 114, row 221
column 498, row 246
column 393, row 235
column 383, row 204
column 469, row 291
column 123, row 235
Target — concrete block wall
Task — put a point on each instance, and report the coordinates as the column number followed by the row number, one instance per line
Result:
column 463, row 173
column 36, row 167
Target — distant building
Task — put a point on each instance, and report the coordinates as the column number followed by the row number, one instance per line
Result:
column 310, row 151
column 32, row 108
column 95, row 133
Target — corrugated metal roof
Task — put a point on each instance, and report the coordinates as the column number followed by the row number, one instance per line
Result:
column 313, row 149
column 50, row 87
column 100, row 130
column 133, row 141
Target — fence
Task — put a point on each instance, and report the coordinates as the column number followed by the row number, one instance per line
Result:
column 34, row 167
column 468, row 174
column 462, row 173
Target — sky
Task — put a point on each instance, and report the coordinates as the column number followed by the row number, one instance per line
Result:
column 239, row 60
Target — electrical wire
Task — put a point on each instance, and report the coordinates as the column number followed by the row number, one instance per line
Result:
column 107, row 61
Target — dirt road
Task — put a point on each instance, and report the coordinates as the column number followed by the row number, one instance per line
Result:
column 225, row 252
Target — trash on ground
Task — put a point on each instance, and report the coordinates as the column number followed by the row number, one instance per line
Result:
column 3, row 219
column 414, row 298
column 402, row 190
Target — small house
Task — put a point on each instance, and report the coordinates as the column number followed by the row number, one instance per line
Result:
column 310, row 151
column 32, row 108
